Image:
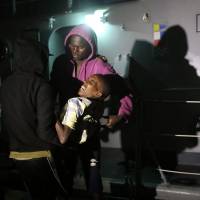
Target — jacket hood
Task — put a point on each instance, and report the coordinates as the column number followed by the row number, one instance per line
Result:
column 30, row 56
column 88, row 34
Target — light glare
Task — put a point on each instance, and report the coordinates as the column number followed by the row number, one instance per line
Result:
column 95, row 21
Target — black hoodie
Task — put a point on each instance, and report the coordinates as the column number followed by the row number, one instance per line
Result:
column 27, row 102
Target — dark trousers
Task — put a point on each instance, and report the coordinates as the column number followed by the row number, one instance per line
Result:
column 90, row 163
column 40, row 178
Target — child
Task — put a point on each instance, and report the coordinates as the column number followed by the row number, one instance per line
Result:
column 82, row 113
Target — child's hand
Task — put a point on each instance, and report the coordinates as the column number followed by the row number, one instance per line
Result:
column 63, row 132
column 57, row 125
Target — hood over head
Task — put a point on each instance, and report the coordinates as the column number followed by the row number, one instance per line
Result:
column 86, row 33
column 30, row 56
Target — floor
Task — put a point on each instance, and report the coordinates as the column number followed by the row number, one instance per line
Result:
column 121, row 182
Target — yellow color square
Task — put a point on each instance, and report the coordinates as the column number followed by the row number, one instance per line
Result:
column 156, row 27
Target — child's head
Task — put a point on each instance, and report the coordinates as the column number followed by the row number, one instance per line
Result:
column 95, row 87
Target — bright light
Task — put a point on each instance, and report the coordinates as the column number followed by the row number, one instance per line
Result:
column 97, row 20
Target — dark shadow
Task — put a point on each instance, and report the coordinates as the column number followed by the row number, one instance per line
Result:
column 170, row 65
column 179, row 84
column 166, row 88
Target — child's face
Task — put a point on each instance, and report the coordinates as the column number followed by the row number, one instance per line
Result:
column 91, row 88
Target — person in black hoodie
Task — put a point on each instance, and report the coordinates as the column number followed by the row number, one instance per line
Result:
column 28, row 120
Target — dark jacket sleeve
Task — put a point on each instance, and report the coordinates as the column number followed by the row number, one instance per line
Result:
column 45, row 115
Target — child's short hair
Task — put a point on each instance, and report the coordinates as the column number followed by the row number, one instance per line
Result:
column 105, row 86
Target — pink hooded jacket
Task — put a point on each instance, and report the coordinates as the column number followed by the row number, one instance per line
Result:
column 95, row 65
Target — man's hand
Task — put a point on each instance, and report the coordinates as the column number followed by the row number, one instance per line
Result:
column 113, row 120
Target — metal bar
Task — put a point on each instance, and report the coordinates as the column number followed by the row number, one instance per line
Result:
column 14, row 9
column 179, row 172
column 170, row 101
column 177, row 135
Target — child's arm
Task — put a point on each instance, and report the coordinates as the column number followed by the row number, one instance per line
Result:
column 73, row 111
column 63, row 132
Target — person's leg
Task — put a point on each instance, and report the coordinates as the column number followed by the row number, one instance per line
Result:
column 69, row 165
column 91, row 167
column 62, row 192
column 39, row 178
